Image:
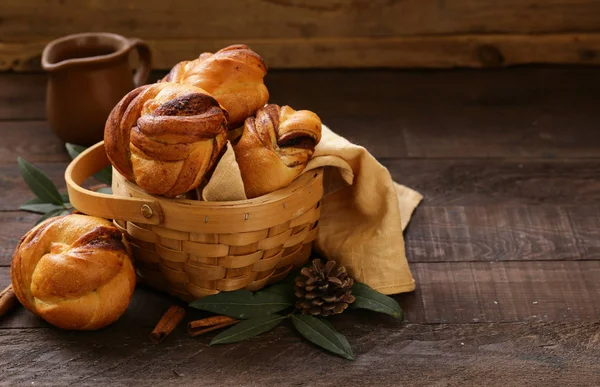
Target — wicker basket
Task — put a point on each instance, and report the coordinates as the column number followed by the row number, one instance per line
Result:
column 193, row 248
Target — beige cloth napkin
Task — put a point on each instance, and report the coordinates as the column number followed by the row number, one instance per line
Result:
column 363, row 212
column 226, row 182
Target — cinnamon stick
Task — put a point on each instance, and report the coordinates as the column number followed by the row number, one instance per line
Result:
column 210, row 324
column 8, row 300
column 167, row 323
column 210, row 321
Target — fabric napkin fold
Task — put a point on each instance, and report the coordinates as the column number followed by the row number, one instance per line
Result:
column 363, row 211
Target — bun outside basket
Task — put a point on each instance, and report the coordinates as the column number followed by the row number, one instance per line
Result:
column 192, row 248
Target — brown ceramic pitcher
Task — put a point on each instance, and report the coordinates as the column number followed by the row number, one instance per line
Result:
column 87, row 76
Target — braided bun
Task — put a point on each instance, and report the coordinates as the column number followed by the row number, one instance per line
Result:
column 74, row 271
column 233, row 75
column 165, row 137
column 275, row 147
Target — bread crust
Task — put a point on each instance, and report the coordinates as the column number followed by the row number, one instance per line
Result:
column 275, row 147
column 233, row 75
column 74, row 271
column 165, row 137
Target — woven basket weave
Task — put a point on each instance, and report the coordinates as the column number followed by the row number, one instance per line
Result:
column 192, row 248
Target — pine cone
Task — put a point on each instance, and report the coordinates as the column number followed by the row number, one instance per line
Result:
column 323, row 289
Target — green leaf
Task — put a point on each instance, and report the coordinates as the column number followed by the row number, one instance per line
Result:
column 322, row 333
column 283, row 289
column 74, row 150
column 33, row 201
column 105, row 190
column 367, row 298
column 41, row 208
column 39, row 183
column 52, row 214
column 242, row 304
column 65, row 198
column 103, row 176
column 248, row 328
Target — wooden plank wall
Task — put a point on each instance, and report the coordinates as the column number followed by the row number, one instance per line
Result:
column 320, row 33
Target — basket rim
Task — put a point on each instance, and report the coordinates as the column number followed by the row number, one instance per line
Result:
column 130, row 203
column 304, row 179
column 247, row 215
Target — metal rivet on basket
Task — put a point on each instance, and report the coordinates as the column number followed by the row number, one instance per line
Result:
column 246, row 216
column 146, row 211
column 283, row 204
column 206, row 219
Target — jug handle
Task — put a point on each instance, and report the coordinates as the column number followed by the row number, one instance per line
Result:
column 142, row 71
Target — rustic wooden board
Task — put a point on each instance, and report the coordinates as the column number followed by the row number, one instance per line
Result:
column 13, row 225
column 283, row 19
column 461, row 182
column 524, row 95
column 451, row 51
column 518, row 130
column 31, row 140
column 410, row 132
column 503, row 233
column 504, row 292
column 388, row 354
column 534, row 92
column 447, row 292
column 469, row 233
column 14, row 190
column 315, row 33
column 399, row 52
column 505, row 248
column 585, row 230
column 469, row 182
column 22, row 96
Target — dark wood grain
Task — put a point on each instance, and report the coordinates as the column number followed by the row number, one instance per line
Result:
column 503, row 233
column 325, row 33
column 467, row 182
column 442, row 182
column 505, row 247
column 375, row 92
column 398, row 93
column 31, row 140
column 22, row 96
column 387, row 354
column 293, row 20
column 586, row 231
column 14, row 190
column 415, row 132
column 13, row 225
column 513, row 129
column 461, row 292
column 453, row 233
column 453, row 292
column 538, row 113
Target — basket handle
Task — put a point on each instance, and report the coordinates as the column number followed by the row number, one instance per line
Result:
column 102, row 205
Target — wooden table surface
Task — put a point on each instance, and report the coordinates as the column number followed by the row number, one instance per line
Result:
column 505, row 247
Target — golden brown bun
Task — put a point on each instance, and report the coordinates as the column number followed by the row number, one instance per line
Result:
column 74, row 271
column 165, row 137
column 275, row 147
column 233, row 75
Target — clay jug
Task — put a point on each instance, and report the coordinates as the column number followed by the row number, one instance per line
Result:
column 88, row 74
